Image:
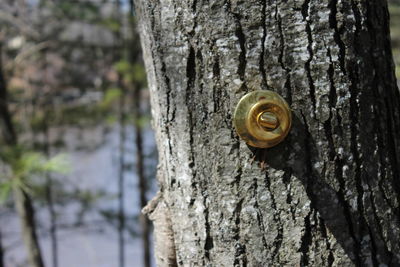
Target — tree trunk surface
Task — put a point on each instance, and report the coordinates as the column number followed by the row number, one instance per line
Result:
column 329, row 194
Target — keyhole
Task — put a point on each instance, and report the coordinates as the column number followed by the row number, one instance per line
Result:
column 268, row 120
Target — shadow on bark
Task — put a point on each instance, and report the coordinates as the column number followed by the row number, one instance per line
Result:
column 343, row 222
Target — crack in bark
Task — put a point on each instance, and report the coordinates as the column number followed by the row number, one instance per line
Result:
column 306, row 240
column 288, row 86
column 382, row 174
column 374, row 259
column 168, row 98
column 277, row 243
column 393, row 157
column 380, row 231
column 217, row 74
column 282, row 45
column 191, row 78
column 242, row 56
column 163, row 74
column 334, row 25
column 240, row 253
column 190, row 72
column 324, row 233
column 305, row 12
column 209, row 243
column 264, row 36
column 194, row 6
column 354, row 119
column 332, row 104
column 242, row 42
column 203, row 104
column 240, row 250
column 168, row 92
column 282, row 41
column 260, row 219
column 286, row 180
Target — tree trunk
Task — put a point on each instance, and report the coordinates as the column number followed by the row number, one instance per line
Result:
column 22, row 200
column 26, row 213
column 121, row 176
column 119, row 37
column 50, row 195
column 329, row 194
column 6, row 127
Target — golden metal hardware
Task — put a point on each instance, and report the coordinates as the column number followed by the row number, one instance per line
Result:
column 262, row 118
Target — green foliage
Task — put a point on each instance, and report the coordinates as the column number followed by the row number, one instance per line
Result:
column 131, row 73
column 111, row 119
column 122, row 66
column 111, row 24
column 36, row 122
column 25, row 165
column 139, row 74
column 84, row 11
column 110, row 97
column 142, row 122
column 82, row 115
column 5, row 189
column 41, row 119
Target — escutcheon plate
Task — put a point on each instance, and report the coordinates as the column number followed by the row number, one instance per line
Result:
column 262, row 118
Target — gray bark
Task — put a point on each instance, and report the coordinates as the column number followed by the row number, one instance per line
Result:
column 329, row 194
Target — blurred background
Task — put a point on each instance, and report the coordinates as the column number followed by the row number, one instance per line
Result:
column 77, row 153
column 81, row 146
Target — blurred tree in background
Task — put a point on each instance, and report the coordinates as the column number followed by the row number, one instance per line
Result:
column 69, row 65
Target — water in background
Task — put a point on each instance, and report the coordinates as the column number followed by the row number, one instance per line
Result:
column 94, row 243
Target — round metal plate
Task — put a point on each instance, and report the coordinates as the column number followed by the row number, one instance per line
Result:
column 247, row 118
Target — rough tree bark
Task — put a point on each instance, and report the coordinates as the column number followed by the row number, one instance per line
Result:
column 329, row 194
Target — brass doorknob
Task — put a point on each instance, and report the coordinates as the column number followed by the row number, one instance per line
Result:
column 262, row 118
